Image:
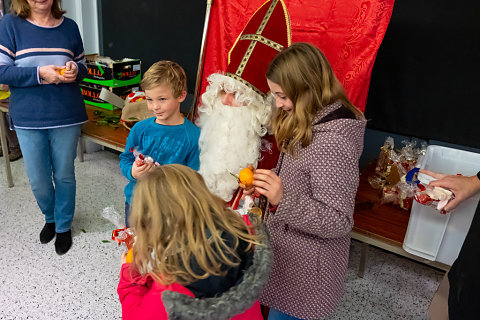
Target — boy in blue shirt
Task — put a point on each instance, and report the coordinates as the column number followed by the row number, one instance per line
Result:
column 168, row 137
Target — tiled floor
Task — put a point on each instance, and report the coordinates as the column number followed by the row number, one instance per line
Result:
column 36, row 283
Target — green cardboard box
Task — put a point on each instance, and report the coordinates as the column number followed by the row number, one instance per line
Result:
column 112, row 73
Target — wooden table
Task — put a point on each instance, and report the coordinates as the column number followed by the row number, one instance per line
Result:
column 3, row 138
column 380, row 225
column 113, row 138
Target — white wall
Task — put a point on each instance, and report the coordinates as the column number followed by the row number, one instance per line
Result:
column 85, row 14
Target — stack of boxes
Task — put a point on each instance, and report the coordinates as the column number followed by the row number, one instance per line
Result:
column 119, row 76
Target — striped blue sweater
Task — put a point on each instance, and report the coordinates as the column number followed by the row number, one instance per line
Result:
column 24, row 47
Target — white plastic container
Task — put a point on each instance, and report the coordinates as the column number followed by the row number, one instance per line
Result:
column 434, row 236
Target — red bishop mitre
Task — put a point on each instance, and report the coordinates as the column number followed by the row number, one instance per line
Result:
column 266, row 34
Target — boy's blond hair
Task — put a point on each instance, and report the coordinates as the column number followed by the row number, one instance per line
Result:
column 177, row 222
column 167, row 73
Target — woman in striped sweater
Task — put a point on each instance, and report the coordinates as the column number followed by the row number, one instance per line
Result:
column 42, row 60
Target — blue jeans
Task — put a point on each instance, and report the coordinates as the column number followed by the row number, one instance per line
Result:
column 48, row 155
column 278, row 315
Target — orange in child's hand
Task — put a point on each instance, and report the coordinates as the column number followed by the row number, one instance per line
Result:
column 129, row 257
column 246, row 176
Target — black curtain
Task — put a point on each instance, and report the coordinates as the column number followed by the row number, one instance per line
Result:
column 426, row 78
column 154, row 30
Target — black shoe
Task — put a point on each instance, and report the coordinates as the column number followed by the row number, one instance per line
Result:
column 63, row 242
column 47, row 233
column 15, row 154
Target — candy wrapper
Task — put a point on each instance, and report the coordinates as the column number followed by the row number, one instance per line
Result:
column 391, row 169
column 135, row 96
column 386, row 173
column 410, row 155
column 141, row 159
column 436, row 197
column 247, row 205
column 123, row 235
column 385, row 155
column 406, row 193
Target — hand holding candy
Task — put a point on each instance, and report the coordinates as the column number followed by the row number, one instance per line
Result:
column 142, row 163
column 139, row 170
column 463, row 187
column 434, row 195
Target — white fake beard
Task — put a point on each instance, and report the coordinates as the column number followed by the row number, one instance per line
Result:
column 229, row 141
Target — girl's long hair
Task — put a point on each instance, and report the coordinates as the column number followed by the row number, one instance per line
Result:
column 22, row 9
column 305, row 75
column 177, row 220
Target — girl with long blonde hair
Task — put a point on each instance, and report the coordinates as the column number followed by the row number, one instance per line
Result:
column 312, row 190
column 188, row 243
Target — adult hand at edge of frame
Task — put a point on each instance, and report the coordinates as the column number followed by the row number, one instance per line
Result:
column 461, row 186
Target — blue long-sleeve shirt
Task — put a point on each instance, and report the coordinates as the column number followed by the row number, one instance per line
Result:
column 24, row 47
column 165, row 144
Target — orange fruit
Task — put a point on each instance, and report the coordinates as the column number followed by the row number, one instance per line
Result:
column 61, row 71
column 129, row 258
column 246, row 176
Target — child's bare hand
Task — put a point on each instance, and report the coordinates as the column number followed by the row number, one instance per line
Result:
column 124, row 257
column 138, row 171
column 249, row 191
column 267, row 183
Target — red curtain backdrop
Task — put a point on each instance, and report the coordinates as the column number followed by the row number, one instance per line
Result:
column 348, row 32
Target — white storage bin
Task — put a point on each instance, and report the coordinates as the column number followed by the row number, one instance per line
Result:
column 434, row 236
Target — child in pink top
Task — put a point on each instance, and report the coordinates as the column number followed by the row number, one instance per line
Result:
column 193, row 258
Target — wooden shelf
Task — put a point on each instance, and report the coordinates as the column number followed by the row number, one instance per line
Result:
column 111, row 137
column 384, row 221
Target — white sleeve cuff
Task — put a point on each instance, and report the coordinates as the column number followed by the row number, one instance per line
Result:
column 38, row 76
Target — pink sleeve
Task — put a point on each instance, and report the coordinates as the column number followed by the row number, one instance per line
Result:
column 141, row 297
column 132, row 288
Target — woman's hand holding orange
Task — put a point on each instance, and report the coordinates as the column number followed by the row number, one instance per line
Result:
column 70, row 72
column 49, row 75
column 270, row 185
